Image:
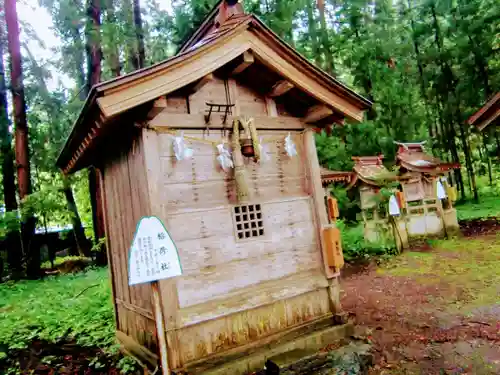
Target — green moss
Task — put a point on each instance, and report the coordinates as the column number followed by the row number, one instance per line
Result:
column 468, row 266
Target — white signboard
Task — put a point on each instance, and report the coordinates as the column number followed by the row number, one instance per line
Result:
column 394, row 206
column 441, row 193
column 153, row 255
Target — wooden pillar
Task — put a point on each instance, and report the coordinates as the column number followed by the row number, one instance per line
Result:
column 168, row 288
column 317, row 192
column 105, row 218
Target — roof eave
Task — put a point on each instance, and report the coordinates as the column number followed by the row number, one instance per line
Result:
column 192, row 39
column 367, row 104
column 62, row 158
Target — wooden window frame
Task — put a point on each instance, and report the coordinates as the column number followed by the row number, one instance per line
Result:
column 248, row 221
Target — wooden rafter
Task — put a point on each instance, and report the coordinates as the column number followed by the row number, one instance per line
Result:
column 248, row 60
column 159, row 105
column 280, row 88
column 202, row 82
column 316, row 113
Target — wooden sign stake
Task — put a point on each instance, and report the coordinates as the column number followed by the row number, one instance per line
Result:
column 154, row 256
column 160, row 328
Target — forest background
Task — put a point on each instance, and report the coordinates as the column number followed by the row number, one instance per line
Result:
column 426, row 64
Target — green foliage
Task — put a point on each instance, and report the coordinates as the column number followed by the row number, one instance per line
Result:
column 356, row 247
column 344, row 202
column 49, row 310
column 57, row 309
column 60, row 260
column 488, row 206
column 9, row 221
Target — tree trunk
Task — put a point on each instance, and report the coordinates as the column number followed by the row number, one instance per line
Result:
column 12, row 239
column 81, row 240
column 21, row 137
column 83, row 247
column 80, row 61
column 325, row 41
column 93, row 43
column 313, row 34
column 94, row 57
column 416, row 47
column 488, row 159
column 114, row 59
column 139, row 33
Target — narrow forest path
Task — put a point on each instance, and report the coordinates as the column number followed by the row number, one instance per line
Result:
column 432, row 311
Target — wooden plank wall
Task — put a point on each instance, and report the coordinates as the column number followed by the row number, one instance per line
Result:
column 127, row 200
column 236, row 292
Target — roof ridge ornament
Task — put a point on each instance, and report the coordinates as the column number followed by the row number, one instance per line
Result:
column 228, row 9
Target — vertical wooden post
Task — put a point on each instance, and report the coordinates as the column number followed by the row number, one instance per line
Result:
column 318, row 195
column 160, row 328
column 106, row 233
column 170, row 304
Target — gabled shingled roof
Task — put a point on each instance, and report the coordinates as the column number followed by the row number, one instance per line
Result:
column 412, row 156
column 109, row 99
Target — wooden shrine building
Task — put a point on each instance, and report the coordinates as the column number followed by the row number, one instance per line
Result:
column 368, row 176
column 420, row 174
column 488, row 115
column 218, row 143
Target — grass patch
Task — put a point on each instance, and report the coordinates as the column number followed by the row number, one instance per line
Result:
column 58, row 309
column 470, row 266
column 48, row 310
column 355, row 247
column 488, row 207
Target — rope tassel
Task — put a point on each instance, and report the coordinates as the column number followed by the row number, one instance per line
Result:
column 242, row 190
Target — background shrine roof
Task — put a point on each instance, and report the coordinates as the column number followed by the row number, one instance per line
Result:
column 488, row 114
column 413, row 157
column 371, row 170
column 328, row 176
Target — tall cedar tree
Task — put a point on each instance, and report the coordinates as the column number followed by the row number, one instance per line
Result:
column 21, row 137
column 13, row 239
column 113, row 54
column 51, row 106
column 139, row 33
column 94, row 57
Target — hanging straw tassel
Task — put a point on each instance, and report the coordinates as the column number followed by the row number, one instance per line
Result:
column 239, row 166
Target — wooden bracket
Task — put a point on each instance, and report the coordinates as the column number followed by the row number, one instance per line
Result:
column 248, row 60
column 202, row 82
column 316, row 113
column 280, row 88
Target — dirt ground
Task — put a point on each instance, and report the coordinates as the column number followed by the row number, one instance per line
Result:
column 434, row 310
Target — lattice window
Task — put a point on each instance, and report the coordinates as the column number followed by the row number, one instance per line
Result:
column 248, row 220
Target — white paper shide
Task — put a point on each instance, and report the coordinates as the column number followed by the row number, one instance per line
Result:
column 441, row 193
column 153, row 255
column 394, row 206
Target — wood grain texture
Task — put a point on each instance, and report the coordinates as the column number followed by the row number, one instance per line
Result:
column 251, row 327
column 317, row 192
column 253, row 296
column 185, row 72
column 168, row 287
column 272, row 59
column 248, row 60
column 169, row 119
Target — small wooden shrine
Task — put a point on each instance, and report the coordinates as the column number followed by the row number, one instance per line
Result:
column 218, row 143
column 369, row 175
column 488, row 115
column 427, row 196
